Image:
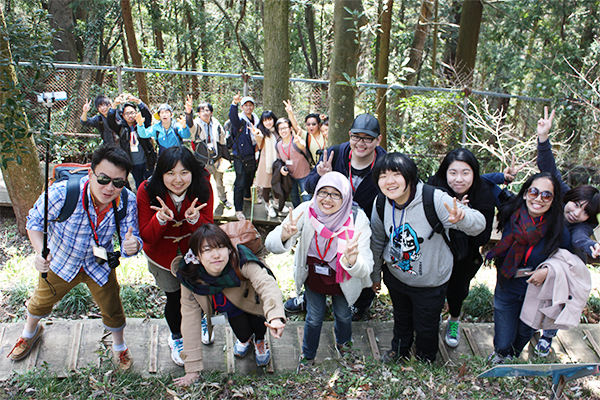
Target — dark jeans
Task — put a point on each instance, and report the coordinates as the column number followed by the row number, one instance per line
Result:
column 511, row 334
column 244, row 325
column 458, row 285
column 140, row 173
column 242, row 184
column 416, row 309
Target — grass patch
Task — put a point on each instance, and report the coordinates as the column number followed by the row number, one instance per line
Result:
column 142, row 301
column 77, row 302
column 479, row 305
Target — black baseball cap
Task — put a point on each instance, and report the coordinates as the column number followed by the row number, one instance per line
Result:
column 366, row 123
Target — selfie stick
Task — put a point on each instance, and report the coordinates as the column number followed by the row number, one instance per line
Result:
column 48, row 99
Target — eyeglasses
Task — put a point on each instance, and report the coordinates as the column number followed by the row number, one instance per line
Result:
column 205, row 109
column 534, row 192
column 104, row 180
column 130, row 113
column 323, row 195
column 366, row 139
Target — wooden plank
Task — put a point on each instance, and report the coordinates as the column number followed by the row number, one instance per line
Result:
column 443, row 350
column 471, row 340
column 230, row 357
column 592, row 341
column 33, row 356
column 75, row 346
column 270, row 365
column 153, row 358
column 300, row 332
column 373, row 344
column 570, row 353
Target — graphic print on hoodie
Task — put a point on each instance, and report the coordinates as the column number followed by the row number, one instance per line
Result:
column 405, row 248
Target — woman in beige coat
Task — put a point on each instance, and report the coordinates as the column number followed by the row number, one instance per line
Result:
column 218, row 279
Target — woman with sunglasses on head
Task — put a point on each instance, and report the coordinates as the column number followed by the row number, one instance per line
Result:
column 532, row 226
column 458, row 175
column 219, row 280
column 175, row 201
column 291, row 149
column 333, row 257
column 266, row 139
column 315, row 138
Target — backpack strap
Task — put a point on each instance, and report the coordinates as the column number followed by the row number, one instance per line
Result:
column 431, row 215
column 178, row 135
column 71, row 198
column 380, row 205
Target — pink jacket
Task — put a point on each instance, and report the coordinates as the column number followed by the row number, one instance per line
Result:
column 558, row 303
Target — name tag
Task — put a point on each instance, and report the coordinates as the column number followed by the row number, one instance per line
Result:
column 134, row 148
column 396, row 253
column 322, row 269
column 218, row 319
column 289, row 162
column 100, row 252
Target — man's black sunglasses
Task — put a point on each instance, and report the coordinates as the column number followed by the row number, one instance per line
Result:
column 105, row 180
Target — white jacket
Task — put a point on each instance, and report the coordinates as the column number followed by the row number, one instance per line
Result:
column 360, row 271
column 558, row 303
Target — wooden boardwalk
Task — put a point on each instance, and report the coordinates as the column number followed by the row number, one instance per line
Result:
column 71, row 345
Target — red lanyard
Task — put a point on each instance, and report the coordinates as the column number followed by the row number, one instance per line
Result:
column 322, row 256
column 531, row 247
column 289, row 153
column 87, row 210
column 319, row 144
column 219, row 305
column 350, row 168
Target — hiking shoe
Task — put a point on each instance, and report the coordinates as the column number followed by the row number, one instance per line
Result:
column 344, row 349
column 241, row 349
column 262, row 352
column 452, row 337
column 359, row 313
column 542, row 348
column 295, row 304
column 270, row 210
column 205, row 339
column 23, row 346
column 227, row 204
column 496, row 359
column 176, row 346
column 304, row 363
column 123, row 359
column 240, row 215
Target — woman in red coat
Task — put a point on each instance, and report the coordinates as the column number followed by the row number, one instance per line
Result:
column 175, row 201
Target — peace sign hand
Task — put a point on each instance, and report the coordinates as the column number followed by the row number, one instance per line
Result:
column 164, row 213
column 87, row 106
column 351, row 252
column 193, row 213
column 544, row 124
column 289, row 228
column 288, row 106
column 324, row 166
column 511, row 172
column 189, row 104
column 301, row 143
column 131, row 244
column 237, row 98
column 456, row 213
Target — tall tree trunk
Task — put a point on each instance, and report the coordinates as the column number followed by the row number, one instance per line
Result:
column 136, row 57
column 383, row 68
column 193, row 49
column 309, row 16
column 62, row 21
column 344, row 58
column 124, row 46
column 468, row 36
column 277, row 55
column 155, row 15
column 451, row 37
column 23, row 181
column 419, row 41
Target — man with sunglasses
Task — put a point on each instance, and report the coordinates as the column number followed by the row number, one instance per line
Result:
column 81, row 248
column 355, row 159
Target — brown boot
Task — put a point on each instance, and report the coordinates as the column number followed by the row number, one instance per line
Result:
column 24, row 346
column 123, row 359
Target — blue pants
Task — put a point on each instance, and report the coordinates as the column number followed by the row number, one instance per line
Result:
column 298, row 187
column 511, row 334
column 316, row 305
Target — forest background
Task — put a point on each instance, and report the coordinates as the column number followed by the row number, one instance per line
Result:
column 434, row 60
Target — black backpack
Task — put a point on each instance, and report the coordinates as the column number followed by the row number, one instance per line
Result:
column 458, row 251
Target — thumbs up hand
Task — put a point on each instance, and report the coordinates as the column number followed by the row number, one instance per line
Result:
column 131, row 244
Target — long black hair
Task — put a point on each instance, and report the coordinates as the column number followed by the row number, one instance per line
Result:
column 214, row 237
column 554, row 216
column 589, row 194
column 267, row 114
column 464, row 155
column 200, row 186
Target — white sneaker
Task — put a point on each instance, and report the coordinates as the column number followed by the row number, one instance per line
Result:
column 285, row 210
column 240, row 215
column 205, row 339
column 270, row 210
column 176, row 346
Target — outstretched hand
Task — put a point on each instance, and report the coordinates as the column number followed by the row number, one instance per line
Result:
column 193, row 212
column 87, row 106
column 544, row 124
column 301, row 143
column 288, row 106
column 455, row 213
column 237, row 98
column 139, row 118
column 187, row 379
column 290, row 228
column 595, row 249
column 324, row 166
column 163, row 212
column 189, row 103
column 511, row 172
column 275, row 326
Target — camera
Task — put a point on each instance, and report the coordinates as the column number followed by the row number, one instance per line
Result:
column 285, row 168
column 113, row 259
column 319, row 153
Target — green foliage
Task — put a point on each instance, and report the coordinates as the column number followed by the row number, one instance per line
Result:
column 77, row 302
column 141, row 301
column 593, row 303
column 18, row 295
column 479, row 305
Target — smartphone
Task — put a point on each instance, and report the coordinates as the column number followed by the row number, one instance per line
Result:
column 522, row 273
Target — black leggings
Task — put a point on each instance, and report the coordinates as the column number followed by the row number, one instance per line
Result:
column 244, row 325
column 173, row 312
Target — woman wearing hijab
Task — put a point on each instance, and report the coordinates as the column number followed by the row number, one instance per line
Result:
column 333, row 258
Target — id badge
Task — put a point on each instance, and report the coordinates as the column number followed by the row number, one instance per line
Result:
column 218, row 319
column 396, row 253
column 322, row 269
column 100, row 252
column 289, row 162
column 134, row 148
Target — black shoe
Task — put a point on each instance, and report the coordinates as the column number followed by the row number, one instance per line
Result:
column 295, row 305
column 359, row 313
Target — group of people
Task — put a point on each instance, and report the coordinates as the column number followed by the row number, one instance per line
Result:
column 359, row 215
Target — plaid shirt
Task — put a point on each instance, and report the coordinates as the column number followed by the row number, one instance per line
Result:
column 71, row 242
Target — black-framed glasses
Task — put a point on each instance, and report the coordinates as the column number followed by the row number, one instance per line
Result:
column 366, row 139
column 334, row 195
column 534, row 192
column 105, row 180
